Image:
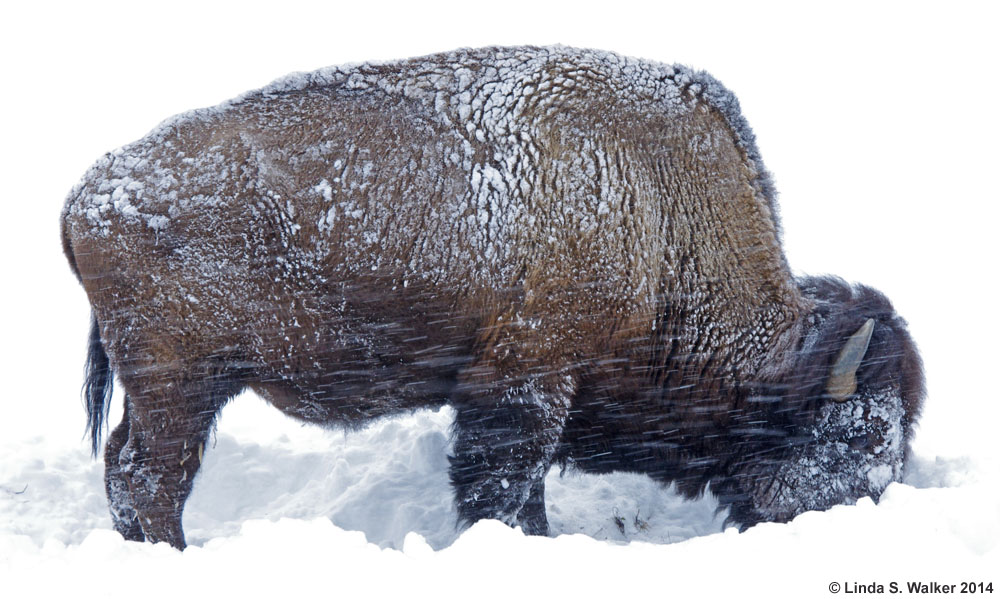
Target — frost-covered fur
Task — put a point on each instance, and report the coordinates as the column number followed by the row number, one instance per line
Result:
column 579, row 251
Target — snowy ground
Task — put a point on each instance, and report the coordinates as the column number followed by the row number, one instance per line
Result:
column 290, row 499
column 877, row 121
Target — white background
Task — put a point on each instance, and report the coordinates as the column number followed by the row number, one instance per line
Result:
column 878, row 120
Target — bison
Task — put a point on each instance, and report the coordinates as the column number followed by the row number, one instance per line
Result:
column 580, row 252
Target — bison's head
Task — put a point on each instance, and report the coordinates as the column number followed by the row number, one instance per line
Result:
column 845, row 407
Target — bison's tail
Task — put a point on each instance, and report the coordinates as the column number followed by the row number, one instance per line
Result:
column 98, row 386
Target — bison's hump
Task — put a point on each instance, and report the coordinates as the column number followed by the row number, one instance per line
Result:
column 482, row 108
column 491, row 81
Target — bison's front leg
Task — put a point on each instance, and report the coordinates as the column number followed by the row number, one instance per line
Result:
column 532, row 518
column 503, row 449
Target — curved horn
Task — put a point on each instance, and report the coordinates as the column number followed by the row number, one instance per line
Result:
column 842, row 381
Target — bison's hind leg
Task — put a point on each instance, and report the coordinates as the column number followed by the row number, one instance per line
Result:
column 123, row 514
column 154, row 455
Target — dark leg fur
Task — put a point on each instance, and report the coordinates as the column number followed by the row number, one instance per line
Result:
column 119, row 498
column 168, row 428
column 531, row 518
column 503, row 450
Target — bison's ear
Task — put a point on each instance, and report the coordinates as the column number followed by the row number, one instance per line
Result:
column 843, row 383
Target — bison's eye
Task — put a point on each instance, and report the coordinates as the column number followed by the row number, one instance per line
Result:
column 859, row 442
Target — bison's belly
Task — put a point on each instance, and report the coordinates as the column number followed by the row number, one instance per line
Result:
column 357, row 368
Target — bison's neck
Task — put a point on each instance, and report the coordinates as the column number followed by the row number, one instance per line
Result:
column 671, row 405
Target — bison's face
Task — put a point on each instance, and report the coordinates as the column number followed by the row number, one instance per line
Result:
column 858, row 390
column 854, row 449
